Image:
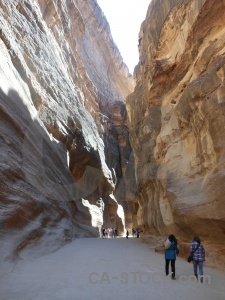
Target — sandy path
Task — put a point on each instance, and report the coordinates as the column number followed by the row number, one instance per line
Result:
column 105, row 269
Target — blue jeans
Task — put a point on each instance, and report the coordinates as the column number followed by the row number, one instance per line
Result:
column 198, row 265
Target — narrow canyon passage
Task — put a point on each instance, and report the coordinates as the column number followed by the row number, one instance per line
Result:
column 94, row 268
column 85, row 145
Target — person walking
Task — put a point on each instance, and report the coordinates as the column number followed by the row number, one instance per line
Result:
column 127, row 234
column 138, row 233
column 103, row 233
column 170, row 255
column 198, row 251
column 106, row 232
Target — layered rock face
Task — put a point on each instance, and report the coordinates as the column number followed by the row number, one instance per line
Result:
column 66, row 162
column 176, row 119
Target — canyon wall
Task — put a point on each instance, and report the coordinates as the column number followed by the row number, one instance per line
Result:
column 66, row 161
column 176, row 120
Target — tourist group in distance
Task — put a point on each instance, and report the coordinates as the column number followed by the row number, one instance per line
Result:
column 112, row 232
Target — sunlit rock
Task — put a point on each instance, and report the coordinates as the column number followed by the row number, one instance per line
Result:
column 176, row 119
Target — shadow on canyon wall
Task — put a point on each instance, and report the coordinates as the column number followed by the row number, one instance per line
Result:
column 38, row 197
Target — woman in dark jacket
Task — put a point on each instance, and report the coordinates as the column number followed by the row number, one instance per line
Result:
column 170, row 255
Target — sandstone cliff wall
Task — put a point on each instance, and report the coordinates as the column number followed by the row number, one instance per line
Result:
column 65, row 148
column 176, row 119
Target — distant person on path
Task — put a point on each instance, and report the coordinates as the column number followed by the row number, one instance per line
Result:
column 139, row 232
column 103, row 233
column 198, row 257
column 110, row 232
column 170, row 255
column 127, row 234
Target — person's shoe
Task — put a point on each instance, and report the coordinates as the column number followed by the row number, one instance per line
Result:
column 173, row 278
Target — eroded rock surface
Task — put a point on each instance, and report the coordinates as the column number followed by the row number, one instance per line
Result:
column 176, row 119
column 65, row 153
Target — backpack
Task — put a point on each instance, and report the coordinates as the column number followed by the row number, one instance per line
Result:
column 167, row 243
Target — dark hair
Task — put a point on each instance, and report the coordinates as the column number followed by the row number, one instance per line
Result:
column 197, row 239
column 172, row 238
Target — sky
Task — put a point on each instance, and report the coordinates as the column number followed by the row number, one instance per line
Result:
column 125, row 18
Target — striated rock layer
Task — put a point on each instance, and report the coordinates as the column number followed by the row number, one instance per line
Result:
column 66, row 165
column 176, row 119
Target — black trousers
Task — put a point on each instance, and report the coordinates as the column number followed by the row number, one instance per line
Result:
column 172, row 266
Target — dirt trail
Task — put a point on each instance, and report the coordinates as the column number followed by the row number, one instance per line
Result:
column 94, row 268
